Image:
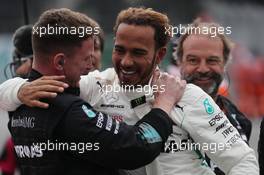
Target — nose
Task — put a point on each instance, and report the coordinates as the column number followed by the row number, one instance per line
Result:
column 93, row 59
column 89, row 62
column 203, row 67
column 127, row 61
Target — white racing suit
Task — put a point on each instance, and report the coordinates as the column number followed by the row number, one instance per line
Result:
column 200, row 126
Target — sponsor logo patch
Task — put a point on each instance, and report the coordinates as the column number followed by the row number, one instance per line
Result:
column 222, row 125
column 138, row 101
column 216, row 119
column 25, row 122
column 234, row 139
column 117, row 127
column 112, row 106
column 118, row 118
column 228, row 131
column 100, row 120
column 88, row 112
column 208, row 107
column 149, row 133
column 109, row 123
column 24, row 151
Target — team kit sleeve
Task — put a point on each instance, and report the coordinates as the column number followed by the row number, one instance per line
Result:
column 88, row 87
column 218, row 138
column 118, row 145
column 8, row 94
column 9, row 91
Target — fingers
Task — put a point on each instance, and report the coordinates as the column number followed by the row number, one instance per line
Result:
column 40, row 82
column 32, row 98
column 44, row 87
column 172, row 86
column 55, row 77
column 183, row 83
column 164, row 75
column 171, row 93
column 44, row 94
column 48, row 88
column 36, row 103
column 156, row 75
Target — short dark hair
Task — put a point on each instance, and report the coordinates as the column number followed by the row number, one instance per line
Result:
column 22, row 41
column 146, row 17
column 60, row 18
column 227, row 43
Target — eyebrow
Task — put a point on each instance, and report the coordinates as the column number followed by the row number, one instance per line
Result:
column 140, row 50
column 134, row 49
column 118, row 46
column 214, row 57
column 194, row 56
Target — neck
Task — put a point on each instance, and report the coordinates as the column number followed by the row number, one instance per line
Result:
column 43, row 70
column 48, row 70
column 147, row 79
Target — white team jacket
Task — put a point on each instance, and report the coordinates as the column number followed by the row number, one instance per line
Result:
column 201, row 127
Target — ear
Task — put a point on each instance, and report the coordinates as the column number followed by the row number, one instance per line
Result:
column 59, row 60
column 161, row 54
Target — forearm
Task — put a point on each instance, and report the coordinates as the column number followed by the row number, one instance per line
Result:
column 120, row 143
column 247, row 165
column 230, row 150
column 8, row 94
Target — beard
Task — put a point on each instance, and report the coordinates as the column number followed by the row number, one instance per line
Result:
column 210, row 88
column 145, row 78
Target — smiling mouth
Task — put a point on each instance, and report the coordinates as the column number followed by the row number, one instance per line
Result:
column 203, row 80
column 128, row 72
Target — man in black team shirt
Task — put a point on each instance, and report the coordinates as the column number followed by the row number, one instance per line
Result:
column 69, row 137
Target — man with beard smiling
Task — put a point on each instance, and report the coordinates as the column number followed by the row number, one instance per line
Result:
column 139, row 46
column 202, row 61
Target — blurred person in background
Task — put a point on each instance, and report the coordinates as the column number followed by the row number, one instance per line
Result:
column 21, row 66
column 8, row 163
column 98, row 48
column 22, row 54
column 203, row 59
column 173, row 67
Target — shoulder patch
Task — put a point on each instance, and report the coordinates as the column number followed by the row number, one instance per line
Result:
column 88, row 112
column 208, row 107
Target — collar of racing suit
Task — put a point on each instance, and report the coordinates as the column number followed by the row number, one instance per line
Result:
column 139, row 98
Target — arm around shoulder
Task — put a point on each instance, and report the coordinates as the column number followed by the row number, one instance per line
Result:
column 8, row 94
